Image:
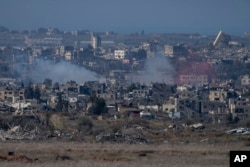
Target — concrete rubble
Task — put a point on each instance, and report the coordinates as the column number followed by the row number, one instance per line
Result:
column 239, row 131
column 18, row 133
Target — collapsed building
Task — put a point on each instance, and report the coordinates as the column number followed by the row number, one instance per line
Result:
column 222, row 39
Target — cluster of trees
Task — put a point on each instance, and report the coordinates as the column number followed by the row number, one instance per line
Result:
column 98, row 105
column 32, row 93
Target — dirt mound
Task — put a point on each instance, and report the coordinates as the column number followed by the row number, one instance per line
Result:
column 19, row 158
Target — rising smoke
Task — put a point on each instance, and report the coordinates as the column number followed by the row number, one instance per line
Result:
column 156, row 69
column 60, row 72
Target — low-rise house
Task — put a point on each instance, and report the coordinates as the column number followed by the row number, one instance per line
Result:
column 127, row 111
column 186, row 94
column 155, row 108
column 181, row 88
column 174, row 115
column 94, row 86
column 41, row 86
column 171, row 105
column 218, row 95
column 68, row 56
column 21, row 105
column 146, row 114
column 245, row 80
column 239, row 106
column 140, row 93
column 70, row 87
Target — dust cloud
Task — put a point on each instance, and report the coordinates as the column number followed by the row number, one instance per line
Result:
column 60, row 72
column 156, row 69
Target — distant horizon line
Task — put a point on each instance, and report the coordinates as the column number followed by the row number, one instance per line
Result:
column 123, row 32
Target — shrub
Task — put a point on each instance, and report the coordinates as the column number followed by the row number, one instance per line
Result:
column 85, row 122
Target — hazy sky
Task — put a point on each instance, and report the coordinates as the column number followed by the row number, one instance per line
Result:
column 125, row 16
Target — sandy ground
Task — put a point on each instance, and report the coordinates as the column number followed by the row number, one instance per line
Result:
column 68, row 153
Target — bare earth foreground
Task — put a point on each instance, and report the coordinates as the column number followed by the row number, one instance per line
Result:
column 68, row 153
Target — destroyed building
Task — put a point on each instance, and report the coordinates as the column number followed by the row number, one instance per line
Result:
column 222, row 39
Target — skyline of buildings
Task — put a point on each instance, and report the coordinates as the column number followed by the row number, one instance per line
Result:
column 129, row 16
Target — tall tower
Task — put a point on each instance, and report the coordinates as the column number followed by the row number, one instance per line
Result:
column 95, row 41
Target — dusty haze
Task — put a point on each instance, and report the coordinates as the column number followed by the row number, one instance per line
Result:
column 156, row 69
column 61, row 72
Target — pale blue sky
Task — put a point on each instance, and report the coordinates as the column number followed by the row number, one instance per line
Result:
column 125, row 16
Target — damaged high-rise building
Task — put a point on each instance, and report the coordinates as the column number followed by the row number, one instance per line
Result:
column 222, row 39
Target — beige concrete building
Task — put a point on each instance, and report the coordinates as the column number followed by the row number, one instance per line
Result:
column 10, row 94
column 119, row 54
column 245, row 80
column 218, row 95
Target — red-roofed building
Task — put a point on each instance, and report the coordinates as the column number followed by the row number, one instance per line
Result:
column 194, row 73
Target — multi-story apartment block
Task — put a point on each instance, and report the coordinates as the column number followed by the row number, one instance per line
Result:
column 218, row 95
column 119, row 54
column 192, row 79
column 10, row 94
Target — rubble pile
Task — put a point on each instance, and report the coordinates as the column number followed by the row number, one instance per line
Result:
column 239, row 131
column 18, row 133
column 129, row 133
column 23, row 128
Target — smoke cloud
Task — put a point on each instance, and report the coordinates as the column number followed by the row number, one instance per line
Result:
column 60, row 72
column 156, row 69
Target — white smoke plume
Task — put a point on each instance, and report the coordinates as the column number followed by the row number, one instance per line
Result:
column 61, row 72
column 156, row 69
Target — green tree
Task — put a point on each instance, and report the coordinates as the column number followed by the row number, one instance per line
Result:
column 61, row 103
column 37, row 93
column 98, row 106
column 85, row 124
column 29, row 92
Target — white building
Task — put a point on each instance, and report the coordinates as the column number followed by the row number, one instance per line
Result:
column 119, row 54
column 61, row 50
column 95, row 41
column 245, row 80
column 68, row 56
column 169, row 50
column 171, row 105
